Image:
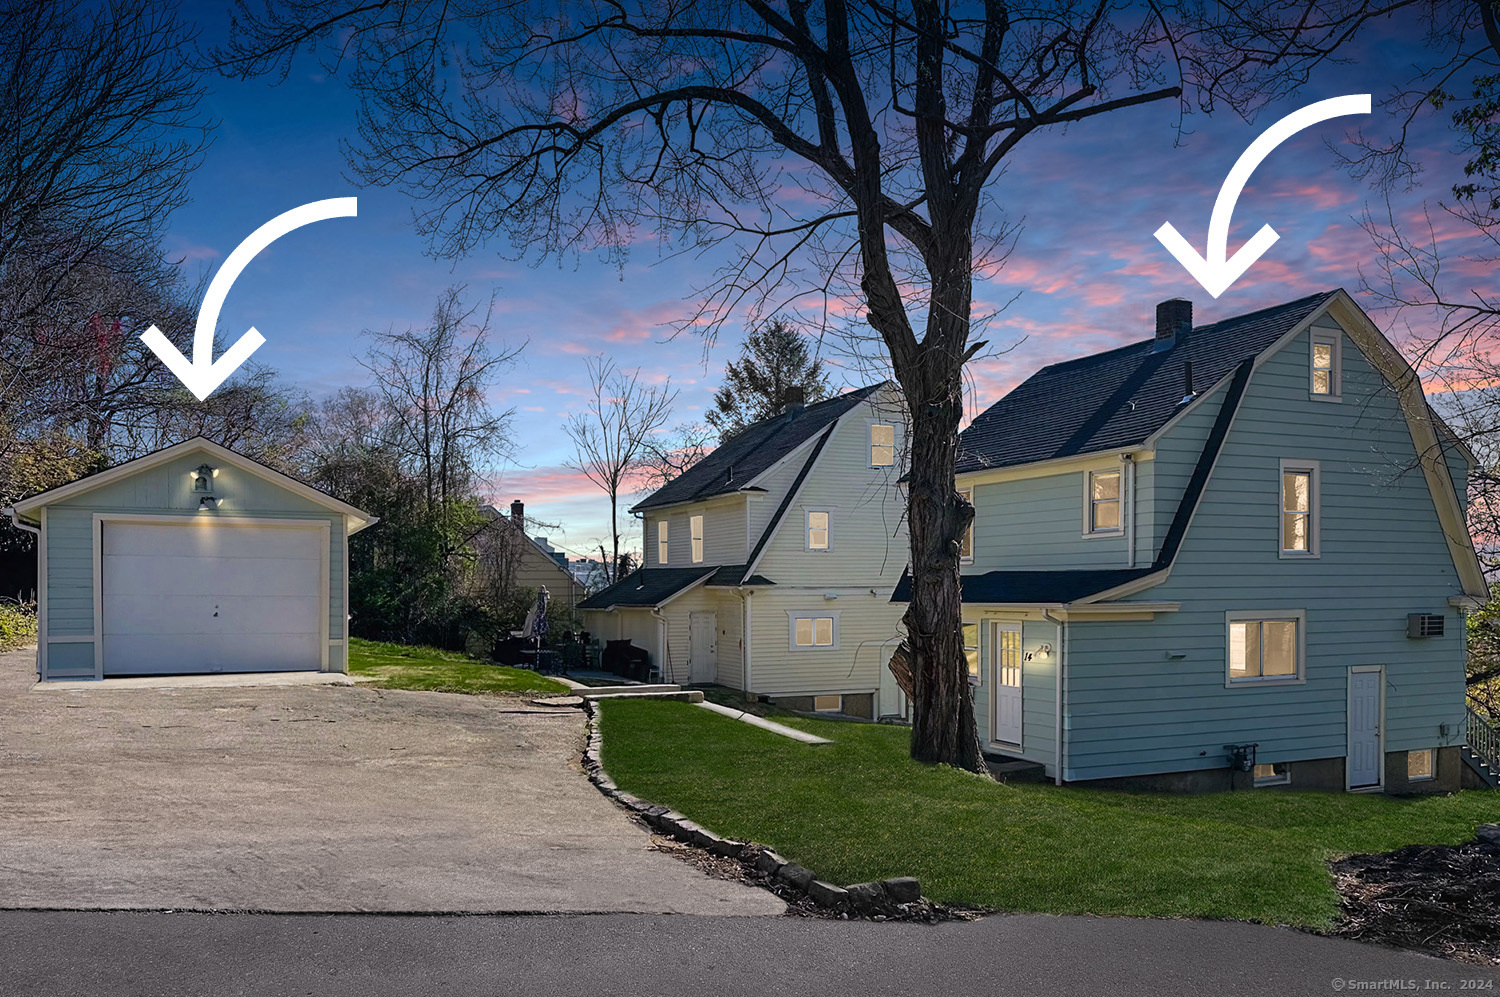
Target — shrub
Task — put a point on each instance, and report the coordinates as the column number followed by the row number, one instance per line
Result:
column 17, row 625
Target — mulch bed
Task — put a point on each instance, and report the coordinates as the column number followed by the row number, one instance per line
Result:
column 1440, row 899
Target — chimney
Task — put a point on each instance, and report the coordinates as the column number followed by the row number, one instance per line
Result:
column 794, row 399
column 518, row 514
column 1174, row 320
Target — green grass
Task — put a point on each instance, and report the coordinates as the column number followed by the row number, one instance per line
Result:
column 428, row 669
column 860, row 809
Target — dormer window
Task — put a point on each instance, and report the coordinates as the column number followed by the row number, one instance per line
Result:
column 882, row 445
column 1103, row 514
column 1325, row 365
column 696, row 527
column 661, row 542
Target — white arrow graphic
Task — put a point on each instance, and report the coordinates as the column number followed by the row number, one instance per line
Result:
column 205, row 374
column 1218, row 269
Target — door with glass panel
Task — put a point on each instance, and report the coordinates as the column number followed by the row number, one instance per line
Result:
column 1006, row 687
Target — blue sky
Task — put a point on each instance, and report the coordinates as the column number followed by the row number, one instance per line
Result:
column 1086, row 268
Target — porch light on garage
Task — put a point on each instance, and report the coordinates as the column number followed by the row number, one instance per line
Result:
column 203, row 478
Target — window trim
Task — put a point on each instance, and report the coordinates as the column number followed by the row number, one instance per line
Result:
column 1327, row 337
column 793, row 615
column 1315, row 509
column 1298, row 616
column 1432, row 764
column 1088, row 503
column 870, row 440
column 976, row 678
column 695, row 537
column 807, row 529
column 663, row 547
column 968, row 494
column 1284, row 779
column 828, row 695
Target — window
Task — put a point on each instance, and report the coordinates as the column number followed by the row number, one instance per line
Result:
column 1420, row 765
column 882, row 445
column 1275, row 774
column 1265, row 647
column 1104, row 502
column 966, row 545
column 1325, row 364
column 814, row 630
column 1299, row 509
column 817, row 531
column 828, row 704
column 971, row 651
column 661, row 541
column 696, row 528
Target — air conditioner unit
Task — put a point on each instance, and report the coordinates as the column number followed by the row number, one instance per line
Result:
column 1424, row 625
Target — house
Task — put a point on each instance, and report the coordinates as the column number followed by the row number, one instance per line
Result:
column 511, row 560
column 192, row 559
column 769, row 564
column 1241, row 542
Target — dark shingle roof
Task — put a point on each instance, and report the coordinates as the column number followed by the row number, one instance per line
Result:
column 1031, row 588
column 1120, row 397
column 753, row 450
column 646, row 587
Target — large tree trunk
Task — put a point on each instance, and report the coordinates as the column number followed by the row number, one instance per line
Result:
column 944, row 728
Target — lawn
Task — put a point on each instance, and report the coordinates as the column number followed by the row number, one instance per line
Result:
column 860, row 809
column 428, row 669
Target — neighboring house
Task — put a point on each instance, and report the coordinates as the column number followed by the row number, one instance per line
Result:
column 193, row 559
column 510, row 560
column 769, row 564
column 1247, row 535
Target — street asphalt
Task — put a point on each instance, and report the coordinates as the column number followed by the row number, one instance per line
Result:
column 62, row 954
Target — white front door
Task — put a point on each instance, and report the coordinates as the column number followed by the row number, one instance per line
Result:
column 1366, row 690
column 1007, row 684
column 703, row 646
column 184, row 598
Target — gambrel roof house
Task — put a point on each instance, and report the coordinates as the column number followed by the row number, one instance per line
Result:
column 768, row 563
column 1241, row 543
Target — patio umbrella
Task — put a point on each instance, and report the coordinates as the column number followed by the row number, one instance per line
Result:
column 539, row 624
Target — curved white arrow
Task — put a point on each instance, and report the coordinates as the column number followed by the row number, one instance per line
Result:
column 205, row 374
column 1218, row 270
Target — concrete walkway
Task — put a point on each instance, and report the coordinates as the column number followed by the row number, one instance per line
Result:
column 316, row 798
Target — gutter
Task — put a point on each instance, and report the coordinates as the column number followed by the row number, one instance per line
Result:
column 15, row 518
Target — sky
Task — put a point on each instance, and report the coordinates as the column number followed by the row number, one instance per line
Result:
column 1085, row 274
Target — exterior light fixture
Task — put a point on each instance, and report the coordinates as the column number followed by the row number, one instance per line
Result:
column 208, row 502
column 203, row 478
column 1040, row 651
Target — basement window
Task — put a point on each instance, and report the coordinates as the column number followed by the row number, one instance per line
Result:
column 1275, row 774
column 1420, row 765
column 828, row 704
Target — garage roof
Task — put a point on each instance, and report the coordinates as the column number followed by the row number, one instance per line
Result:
column 30, row 508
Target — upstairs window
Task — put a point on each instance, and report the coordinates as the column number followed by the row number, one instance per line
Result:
column 661, row 541
column 696, row 529
column 817, row 531
column 1104, row 502
column 1265, row 647
column 882, row 445
column 966, row 543
column 1326, row 363
column 1299, row 509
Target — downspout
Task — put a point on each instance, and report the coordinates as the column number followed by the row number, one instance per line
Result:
column 1062, row 666
column 661, row 644
column 1129, row 490
column 747, row 596
column 15, row 518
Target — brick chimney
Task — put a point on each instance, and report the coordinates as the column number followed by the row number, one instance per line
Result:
column 1174, row 320
column 518, row 514
column 794, row 400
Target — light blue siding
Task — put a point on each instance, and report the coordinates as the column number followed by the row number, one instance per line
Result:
column 1038, row 689
column 1038, row 523
column 1133, row 711
column 70, row 659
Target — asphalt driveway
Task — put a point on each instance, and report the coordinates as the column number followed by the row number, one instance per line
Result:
column 316, row 798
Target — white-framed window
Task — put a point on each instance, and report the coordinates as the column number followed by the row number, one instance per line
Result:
column 1102, row 502
column 971, row 652
column 828, row 704
column 966, row 544
column 661, row 542
column 1421, row 765
column 1265, row 647
column 813, row 631
column 1273, row 774
column 1299, row 508
column 695, row 529
column 1325, row 365
column 819, row 536
column 882, row 445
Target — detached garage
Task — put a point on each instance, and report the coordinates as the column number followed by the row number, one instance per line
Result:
column 190, row 560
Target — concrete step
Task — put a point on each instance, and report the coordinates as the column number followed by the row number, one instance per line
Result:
column 594, row 692
column 1015, row 769
column 680, row 696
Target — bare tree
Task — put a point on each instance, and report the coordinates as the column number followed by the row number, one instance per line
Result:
column 610, row 437
column 435, row 386
column 665, row 456
column 839, row 152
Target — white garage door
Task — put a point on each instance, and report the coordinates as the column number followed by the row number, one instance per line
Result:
column 212, row 598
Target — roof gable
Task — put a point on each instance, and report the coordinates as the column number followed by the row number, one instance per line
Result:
column 739, row 460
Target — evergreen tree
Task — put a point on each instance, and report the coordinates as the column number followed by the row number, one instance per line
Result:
column 773, row 359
